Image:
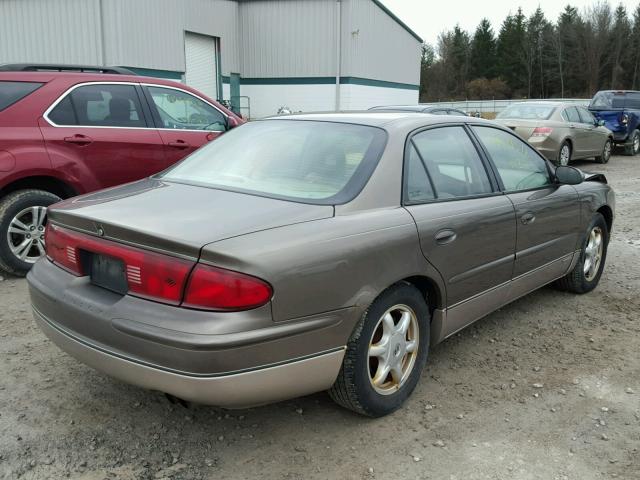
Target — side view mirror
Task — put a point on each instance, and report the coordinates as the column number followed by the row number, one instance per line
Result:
column 232, row 122
column 600, row 123
column 568, row 175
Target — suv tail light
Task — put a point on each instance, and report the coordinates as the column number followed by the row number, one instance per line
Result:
column 542, row 132
column 159, row 277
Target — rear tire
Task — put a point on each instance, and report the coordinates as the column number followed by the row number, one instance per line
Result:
column 564, row 154
column 633, row 147
column 606, row 152
column 16, row 210
column 582, row 278
column 362, row 385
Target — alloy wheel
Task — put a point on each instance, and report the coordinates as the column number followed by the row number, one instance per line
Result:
column 606, row 154
column 393, row 349
column 26, row 234
column 565, row 154
column 593, row 253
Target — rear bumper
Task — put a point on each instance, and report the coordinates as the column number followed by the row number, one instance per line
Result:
column 239, row 390
column 230, row 359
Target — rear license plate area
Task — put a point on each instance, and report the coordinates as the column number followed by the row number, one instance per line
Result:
column 109, row 272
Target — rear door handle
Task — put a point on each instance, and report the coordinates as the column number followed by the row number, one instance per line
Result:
column 179, row 144
column 527, row 218
column 445, row 236
column 79, row 139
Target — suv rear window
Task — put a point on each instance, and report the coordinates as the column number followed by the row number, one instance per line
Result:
column 11, row 92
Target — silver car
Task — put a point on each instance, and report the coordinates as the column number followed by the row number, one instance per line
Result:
column 314, row 252
column 560, row 131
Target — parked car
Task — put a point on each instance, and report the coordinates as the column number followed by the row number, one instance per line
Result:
column 562, row 132
column 304, row 253
column 432, row 109
column 68, row 132
column 620, row 112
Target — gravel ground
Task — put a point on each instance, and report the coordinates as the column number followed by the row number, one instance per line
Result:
column 546, row 388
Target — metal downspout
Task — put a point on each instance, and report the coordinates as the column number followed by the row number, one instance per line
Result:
column 338, row 51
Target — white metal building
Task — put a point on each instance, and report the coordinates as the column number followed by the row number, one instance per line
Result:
column 308, row 55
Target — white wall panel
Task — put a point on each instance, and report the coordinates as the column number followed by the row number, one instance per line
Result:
column 363, row 97
column 267, row 99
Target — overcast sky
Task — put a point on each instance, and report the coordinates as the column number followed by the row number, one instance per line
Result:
column 428, row 17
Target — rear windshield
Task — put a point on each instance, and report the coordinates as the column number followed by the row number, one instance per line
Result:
column 11, row 92
column 527, row 111
column 307, row 161
column 613, row 100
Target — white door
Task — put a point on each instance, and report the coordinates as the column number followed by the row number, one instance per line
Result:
column 200, row 63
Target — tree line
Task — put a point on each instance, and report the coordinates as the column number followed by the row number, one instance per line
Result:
column 532, row 57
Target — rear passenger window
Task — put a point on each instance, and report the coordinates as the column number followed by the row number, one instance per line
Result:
column 107, row 105
column 417, row 184
column 11, row 92
column 572, row 114
column 453, row 164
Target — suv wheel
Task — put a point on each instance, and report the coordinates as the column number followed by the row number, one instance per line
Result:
column 385, row 354
column 587, row 272
column 23, row 215
column 606, row 152
column 633, row 148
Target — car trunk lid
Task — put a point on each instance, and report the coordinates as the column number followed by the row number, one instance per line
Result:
column 524, row 128
column 178, row 218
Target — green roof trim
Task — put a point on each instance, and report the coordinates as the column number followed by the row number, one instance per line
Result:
column 397, row 20
column 369, row 82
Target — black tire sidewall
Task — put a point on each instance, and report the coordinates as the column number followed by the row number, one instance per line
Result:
column 374, row 403
column 603, row 158
column 14, row 204
column 586, row 285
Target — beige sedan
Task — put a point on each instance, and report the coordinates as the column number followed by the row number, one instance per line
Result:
column 560, row 131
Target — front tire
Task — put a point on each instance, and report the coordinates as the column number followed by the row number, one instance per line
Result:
column 564, row 154
column 606, row 152
column 586, row 274
column 22, row 222
column 385, row 354
column 633, row 147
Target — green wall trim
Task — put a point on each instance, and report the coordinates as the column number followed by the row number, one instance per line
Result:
column 323, row 81
column 397, row 20
column 151, row 72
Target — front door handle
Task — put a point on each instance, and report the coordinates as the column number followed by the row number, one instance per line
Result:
column 527, row 218
column 79, row 140
column 445, row 236
column 179, row 144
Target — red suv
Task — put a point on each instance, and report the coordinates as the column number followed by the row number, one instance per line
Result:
column 64, row 133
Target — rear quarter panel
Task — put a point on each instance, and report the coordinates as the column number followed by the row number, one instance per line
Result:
column 325, row 265
column 593, row 196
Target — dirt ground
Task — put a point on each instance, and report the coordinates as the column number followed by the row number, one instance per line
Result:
column 546, row 388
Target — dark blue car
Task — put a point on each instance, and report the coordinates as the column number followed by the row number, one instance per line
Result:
column 620, row 111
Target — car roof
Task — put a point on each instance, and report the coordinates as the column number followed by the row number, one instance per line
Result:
column 412, row 108
column 387, row 120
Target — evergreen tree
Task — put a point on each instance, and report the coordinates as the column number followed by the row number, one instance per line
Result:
column 483, row 51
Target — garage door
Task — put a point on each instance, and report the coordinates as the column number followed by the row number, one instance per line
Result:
column 200, row 59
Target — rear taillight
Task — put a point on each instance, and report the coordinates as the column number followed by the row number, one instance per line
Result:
column 159, row 277
column 213, row 288
column 542, row 132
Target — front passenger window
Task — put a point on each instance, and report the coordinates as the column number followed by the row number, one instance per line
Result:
column 519, row 167
column 181, row 110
